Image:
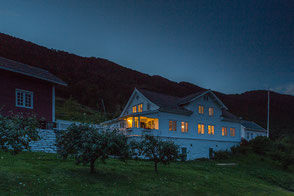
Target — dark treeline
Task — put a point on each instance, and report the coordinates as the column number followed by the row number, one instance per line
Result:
column 92, row 80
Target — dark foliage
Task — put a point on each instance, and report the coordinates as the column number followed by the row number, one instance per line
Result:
column 92, row 80
column 222, row 154
column 17, row 131
column 87, row 144
column 158, row 151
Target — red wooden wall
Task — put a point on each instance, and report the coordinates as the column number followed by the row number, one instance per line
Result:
column 42, row 94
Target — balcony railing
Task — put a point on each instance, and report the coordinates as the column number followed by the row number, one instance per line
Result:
column 140, row 132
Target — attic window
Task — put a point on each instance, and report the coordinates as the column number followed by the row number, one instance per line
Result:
column 134, row 109
column 140, row 107
column 201, row 109
column 210, row 110
column 137, row 97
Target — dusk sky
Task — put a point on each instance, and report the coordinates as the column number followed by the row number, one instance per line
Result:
column 228, row 46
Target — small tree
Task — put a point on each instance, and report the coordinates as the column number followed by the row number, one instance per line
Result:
column 17, row 131
column 158, row 151
column 87, row 144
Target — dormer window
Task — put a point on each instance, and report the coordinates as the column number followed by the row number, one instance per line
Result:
column 210, row 111
column 134, row 109
column 201, row 109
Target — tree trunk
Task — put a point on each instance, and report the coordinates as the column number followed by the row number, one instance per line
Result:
column 92, row 165
column 155, row 166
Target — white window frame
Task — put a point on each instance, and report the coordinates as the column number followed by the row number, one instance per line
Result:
column 24, row 92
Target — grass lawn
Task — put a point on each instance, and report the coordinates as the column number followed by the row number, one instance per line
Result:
column 45, row 174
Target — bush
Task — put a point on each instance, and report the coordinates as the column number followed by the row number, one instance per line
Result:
column 222, row 154
column 17, row 131
column 283, row 152
column 87, row 144
column 261, row 145
column 242, row 149
column 158, row 151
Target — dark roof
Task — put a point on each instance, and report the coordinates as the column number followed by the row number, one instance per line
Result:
column 228, row 115
column 167, row 103
column 251, row 125
column 189, row 97
column 172, row 104
column 28, row 70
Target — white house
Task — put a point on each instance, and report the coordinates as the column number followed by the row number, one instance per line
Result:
column 199, row 123
column 250, row 130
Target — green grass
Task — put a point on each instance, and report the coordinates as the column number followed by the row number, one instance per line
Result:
column 45, row 174
column 70, row 109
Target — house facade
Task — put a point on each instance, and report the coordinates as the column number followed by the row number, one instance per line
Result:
column 250, row 130
column 199, row 123
column 28, row 90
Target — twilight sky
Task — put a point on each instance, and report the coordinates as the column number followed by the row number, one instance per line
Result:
column 228, row 46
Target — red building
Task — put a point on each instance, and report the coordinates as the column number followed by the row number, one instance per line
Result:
column 27, row 89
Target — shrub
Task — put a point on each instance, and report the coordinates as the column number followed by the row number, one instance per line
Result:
column 158, row 151
column 242, row 149
column 261, row 145
column 283, row 151
column 17, row 131
column 222, row 154
column 87, row 144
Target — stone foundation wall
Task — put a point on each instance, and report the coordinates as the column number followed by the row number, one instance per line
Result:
column 47, row 142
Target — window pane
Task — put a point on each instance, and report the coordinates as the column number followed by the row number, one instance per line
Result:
column 140, row 108
column 134, row 109
column 19, row 99
column 170, row 125
column 210, row 111
column 174, row 125
column 28, row 99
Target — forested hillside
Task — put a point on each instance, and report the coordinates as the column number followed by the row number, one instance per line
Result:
column 92, row 80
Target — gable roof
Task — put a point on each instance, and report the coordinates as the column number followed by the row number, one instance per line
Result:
column 252, row 125
column 17, row 67
column 194, row 96
column 166, row 103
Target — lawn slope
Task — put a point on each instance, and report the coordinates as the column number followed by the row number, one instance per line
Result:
column 44, row 174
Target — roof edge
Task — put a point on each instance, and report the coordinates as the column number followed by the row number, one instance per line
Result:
column 31, row 75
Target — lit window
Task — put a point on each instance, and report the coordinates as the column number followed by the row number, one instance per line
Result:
column 210, row 129
column 200, row 128
column 232, row 131
column 136, row 122
column 224, row 131
column 24, row 99
column 140, row 108
column 201, row 109
column 134, row 109
column 148, row 123
column 184, row 127
column 172, row 125
column 210, row 111
column 129, row 122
